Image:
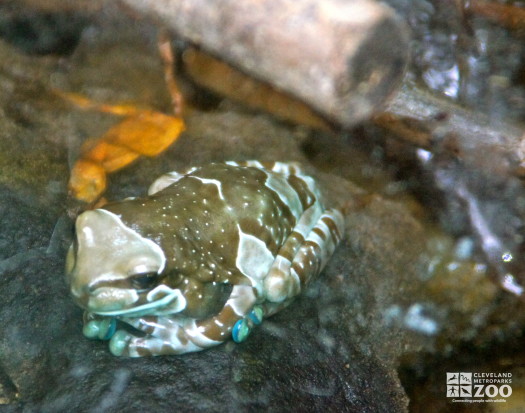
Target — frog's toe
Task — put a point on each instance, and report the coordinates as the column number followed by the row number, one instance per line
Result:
column 102, row 329
column 242, row 328
column 256, row 315
column 119, row 342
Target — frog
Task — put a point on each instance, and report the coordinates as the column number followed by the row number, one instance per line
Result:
column 204, row 257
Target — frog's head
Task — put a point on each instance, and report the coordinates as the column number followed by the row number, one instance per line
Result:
column 113, row 270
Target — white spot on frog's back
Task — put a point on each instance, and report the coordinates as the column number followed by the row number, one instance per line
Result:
column 286, row 193
column 172, row 177
column 254, row 259
column 166, row 180
column 215, row 182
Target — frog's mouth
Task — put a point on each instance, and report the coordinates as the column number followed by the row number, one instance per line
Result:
column 162, row 300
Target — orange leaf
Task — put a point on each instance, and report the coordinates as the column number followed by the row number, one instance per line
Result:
column 87, row 181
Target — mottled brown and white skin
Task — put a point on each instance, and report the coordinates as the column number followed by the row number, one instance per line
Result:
column 204, row 257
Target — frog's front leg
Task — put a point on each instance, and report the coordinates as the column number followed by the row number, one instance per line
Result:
column 302, row 258
column 176, row 335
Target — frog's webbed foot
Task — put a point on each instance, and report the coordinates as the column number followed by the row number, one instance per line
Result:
column 163, row 336
column 176, row 335
column 301, row 259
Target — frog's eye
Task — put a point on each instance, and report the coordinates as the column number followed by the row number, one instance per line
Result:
column 144, row 281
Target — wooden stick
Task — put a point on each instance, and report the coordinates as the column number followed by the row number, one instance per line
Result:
column 342, row 58
column 439, row 125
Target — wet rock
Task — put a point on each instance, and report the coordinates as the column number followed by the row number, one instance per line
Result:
column 17, row 235
column 286, row 365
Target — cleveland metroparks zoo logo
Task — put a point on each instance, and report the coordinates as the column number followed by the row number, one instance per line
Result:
column 468, row 387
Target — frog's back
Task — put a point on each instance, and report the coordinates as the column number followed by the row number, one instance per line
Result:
column 263, row 200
